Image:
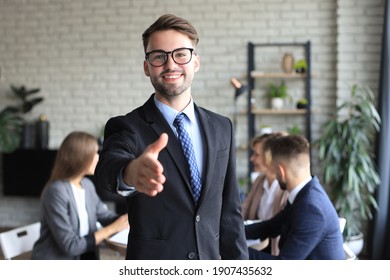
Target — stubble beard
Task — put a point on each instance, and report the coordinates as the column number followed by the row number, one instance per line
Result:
column 170, row 91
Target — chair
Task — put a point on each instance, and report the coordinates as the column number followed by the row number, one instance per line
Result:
column 349, row 255
column 19, row 240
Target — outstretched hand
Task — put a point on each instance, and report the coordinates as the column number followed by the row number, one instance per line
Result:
column 145, row 173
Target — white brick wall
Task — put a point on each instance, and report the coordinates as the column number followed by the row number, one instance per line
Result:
column 86, row 56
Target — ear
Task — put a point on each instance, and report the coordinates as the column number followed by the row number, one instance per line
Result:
column 196, row 58
column 146, row 68
column 282, row 171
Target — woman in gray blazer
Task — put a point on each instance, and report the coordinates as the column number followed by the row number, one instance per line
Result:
column 70, row 206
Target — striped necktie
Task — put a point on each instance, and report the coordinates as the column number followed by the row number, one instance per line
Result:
column 188, row 150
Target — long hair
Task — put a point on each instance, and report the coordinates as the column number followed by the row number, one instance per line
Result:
column 171, row 22
column 74, row 155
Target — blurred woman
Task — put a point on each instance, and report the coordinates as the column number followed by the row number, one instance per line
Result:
column 70, row 206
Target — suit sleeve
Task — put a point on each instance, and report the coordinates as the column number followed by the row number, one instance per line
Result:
column 307, row 228
column 118, row 150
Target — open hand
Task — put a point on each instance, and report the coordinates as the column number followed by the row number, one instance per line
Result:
column 145, row 173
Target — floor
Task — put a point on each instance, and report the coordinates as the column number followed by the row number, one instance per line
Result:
column 105, row 253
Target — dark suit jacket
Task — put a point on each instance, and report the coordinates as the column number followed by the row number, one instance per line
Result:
column 309, row 228
column 170, row 225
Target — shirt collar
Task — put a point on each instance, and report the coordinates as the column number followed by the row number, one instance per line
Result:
column 268, row 188
column 293, row 194
column 170, row 114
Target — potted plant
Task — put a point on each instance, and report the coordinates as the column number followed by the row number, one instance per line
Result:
column 300, row 66
column 345, row 153
column 302, row 103
column 276, row 94
column 18, row 129
column 10, row 131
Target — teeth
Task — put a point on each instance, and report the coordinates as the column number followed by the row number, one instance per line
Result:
column 172, row 77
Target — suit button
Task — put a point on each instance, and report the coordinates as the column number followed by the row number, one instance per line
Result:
column 197, row 219
column 191, row 255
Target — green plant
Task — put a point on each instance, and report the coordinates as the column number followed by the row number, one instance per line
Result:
column 300, row 66
column 302, row 103
column 11, row 118
column 27, row 103
column 294, row 130
column 345, row 152
column 274, row 90
column 10, row 131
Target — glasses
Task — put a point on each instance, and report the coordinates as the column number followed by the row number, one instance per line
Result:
column 159, row 58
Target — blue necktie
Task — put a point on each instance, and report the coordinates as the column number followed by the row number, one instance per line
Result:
column 188, row 149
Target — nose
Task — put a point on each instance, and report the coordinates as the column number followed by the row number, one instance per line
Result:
column 170, row 62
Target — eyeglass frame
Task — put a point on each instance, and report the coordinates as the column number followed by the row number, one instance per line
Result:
column 192, row 51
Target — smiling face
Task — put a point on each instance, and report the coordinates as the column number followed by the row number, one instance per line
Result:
column 171, row 79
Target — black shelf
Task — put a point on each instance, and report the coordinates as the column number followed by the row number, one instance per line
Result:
column 253, row 75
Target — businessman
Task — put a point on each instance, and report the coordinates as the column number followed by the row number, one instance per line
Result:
column 174, row 160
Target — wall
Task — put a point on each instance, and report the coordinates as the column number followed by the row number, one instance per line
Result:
column 86, row 56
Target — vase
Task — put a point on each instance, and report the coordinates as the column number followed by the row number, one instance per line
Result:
column 288, row 63
column 277, row 103
column 42, row 133
column 355, row 243
column 28, row 136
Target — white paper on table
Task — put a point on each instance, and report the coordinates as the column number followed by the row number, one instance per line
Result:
column 251, row 242
column 120, row 237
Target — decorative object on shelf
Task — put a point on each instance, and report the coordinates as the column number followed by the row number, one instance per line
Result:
column 294, row 130
column 276, row 94
column 300, row 66
column 265, row 129
column 302, row 103
column 288, row 63
column 345, row 152
column 42, row 135
column 29, row 135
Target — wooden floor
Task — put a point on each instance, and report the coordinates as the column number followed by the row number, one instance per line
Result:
column 105, row 253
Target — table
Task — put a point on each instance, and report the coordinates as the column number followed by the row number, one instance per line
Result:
column 118, row 242
column 117, row 247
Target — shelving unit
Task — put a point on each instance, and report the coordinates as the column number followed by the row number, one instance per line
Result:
column 254, row 74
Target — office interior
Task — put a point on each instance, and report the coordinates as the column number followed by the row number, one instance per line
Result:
column 86, row 57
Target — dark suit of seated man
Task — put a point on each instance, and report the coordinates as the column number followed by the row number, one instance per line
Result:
column 308, row 225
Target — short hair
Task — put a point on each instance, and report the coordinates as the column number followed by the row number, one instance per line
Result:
column 265, row 136
column 169, row 22
column 288, row 147
column 74, row 155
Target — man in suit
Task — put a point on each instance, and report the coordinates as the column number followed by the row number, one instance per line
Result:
column 142, row 158
column 308, row 225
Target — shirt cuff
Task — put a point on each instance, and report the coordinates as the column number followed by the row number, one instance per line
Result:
column 122, row 188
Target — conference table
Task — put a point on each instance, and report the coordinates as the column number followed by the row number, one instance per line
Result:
column 118, row 242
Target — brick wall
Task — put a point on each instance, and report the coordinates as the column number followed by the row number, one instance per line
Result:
column 86, row 56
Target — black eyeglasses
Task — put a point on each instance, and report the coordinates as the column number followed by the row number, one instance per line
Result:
column 159, row 57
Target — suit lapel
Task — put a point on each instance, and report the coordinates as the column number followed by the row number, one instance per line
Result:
column 209, row 149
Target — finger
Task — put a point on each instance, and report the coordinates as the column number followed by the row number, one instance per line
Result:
column 159, row 144
column 151, row 187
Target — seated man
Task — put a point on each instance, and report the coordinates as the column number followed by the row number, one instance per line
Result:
column 308, row 225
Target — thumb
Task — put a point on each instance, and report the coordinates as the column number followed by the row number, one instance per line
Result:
column 159, row 144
